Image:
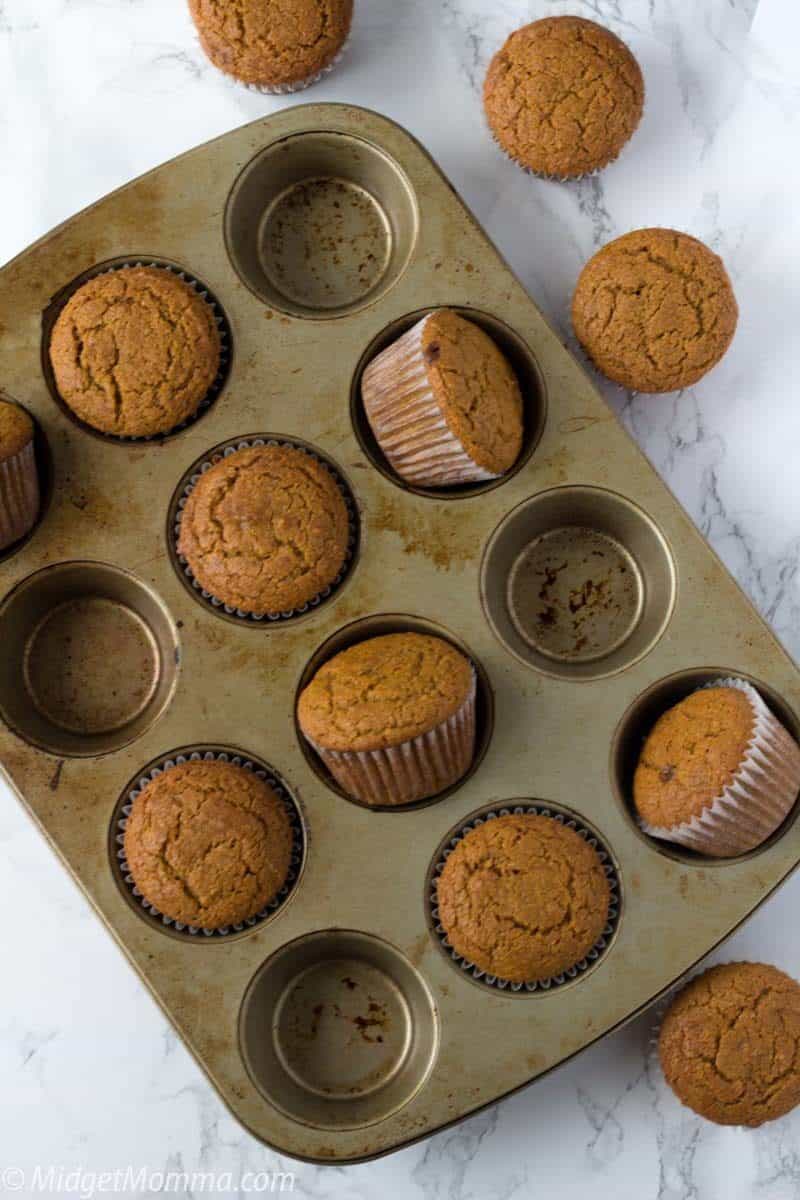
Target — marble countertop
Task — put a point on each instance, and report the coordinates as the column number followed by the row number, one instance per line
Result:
column 94, row 92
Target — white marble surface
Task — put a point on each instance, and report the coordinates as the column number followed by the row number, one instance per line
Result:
column 92, row 93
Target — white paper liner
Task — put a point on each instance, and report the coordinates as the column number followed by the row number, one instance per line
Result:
column 415, row 770
column 120, row 822
column 407, row 419
column 555, row 981
column 223, row 328
column 758, row 801
column 19, row 495
column 352, row 534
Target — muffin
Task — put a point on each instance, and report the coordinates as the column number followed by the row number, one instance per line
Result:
column 444, row 404
column 273, row 47
column 717, row 773
column 393, row 718
column 728, row 1044
column 265, row 530
column 208, row 844
column 19, row 481
column 135, row 352
column 563, row 96
column 654, row 310
column 523, row 897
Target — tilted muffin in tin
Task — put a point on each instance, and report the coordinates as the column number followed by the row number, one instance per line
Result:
column 718, row 772
column 273, row 47
column 393, row 717
column 728, row 1044
column 523, row 897
column 654, row 310
column 135, row 351
column 208, row 844
column 563, row 96
column 265, row 529
column 19, row 480
column 444, row 403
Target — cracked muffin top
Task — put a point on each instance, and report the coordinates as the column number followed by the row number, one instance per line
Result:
column 563, row 96
column 271, row 43
column 730, row 1044
column 523, row 897
column 208, row 843
column 134, row 352
column 384, row 691
column 654, row 310
column 691, row 755
column 16, row 429
column 265, row 530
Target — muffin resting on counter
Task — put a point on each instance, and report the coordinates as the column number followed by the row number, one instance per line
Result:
column 208, row 844
column 728, row 1044
column 265, row 529
column 135, row 351
column 563, row 96
column 19, row 480
column 444, row 403
column 654, row 310
column 393, row 717
column 523, row 897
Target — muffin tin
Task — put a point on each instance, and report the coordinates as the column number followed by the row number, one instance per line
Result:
column 337, row 1027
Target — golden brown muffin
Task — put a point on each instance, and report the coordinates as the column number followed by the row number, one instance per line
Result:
column 654, row 310
column 272, row 43
column 16, row 429
column 692, row 753
column 134, row 352
column 265, row 530
column 563, row 96
column 730, row 1044
column 384, row 691
column 208, row 844
column 523, row 897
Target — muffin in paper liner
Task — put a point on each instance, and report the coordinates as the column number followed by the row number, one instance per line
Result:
column 19, row 495
column 407, row 419
column 759, row 799
column 266, row 618
column 120, row 822
column 414, row 770
column 223, row 328
column 299, row 85
column 583, row 965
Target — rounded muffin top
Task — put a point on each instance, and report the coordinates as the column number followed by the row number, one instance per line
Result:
column 384, row 691
column 691, row 755
column 563, row 96
column 269, row 43
column 654, row 310
column 265, row 530
column 476, row 389
column 208, row 843
column 523, row 897
column 16, row 429
column 730, row 1044
column 135, row 351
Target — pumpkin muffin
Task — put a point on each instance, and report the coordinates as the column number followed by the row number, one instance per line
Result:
column 444, row 403
column 654, row 310
column 135, row 352
column 523, row 897
column 729, row 1044
column 718, row 772
column 265, row 530
column 563, row 96
column 273, row 47
column 393, row 717
column 19, row 481
column 208, row 844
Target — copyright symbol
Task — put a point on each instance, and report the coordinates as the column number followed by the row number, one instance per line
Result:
column 12, row 1179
